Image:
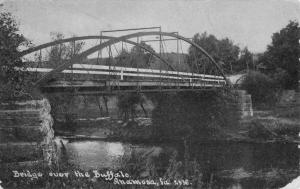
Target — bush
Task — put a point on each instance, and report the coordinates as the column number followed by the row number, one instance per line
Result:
column 258, row 131
column 62, row 109
column 196, row 115
column 281, row 77
column 127, row 104
column 262, row 88
column 13, row 82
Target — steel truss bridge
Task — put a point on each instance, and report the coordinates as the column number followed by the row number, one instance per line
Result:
column 139, row 69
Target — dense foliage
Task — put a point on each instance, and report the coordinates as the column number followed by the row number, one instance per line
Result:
column 13, row 83
column 193, row 115
column 136, row 57
column 228, row 55
column 127, row 104
column 283, row 54
column 61, row 52
column 262, row 88
column 279, row 66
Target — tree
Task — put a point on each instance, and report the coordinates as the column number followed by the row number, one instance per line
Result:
column 127, row 105
column 245, row 61
column 284, row 53
column 224, row 51
column 62, row 52
column 137, row 57
column 13, row 83
column 263, row 89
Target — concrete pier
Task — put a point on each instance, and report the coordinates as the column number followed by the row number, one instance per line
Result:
column 245, row 103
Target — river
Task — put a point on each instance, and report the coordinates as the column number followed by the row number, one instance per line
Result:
column 235, row 165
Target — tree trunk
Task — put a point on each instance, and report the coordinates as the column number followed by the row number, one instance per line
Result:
column 145, row 112
column 106, row 106
column 99, row 105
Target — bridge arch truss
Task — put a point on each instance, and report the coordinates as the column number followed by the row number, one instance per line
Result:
column 111, row 41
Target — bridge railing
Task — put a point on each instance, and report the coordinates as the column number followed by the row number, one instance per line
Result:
column 127, row 74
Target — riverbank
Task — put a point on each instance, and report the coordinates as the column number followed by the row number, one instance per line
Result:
column 263, row 127
column 277, row 124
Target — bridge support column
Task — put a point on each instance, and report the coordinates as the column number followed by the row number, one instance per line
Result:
column 244, row 103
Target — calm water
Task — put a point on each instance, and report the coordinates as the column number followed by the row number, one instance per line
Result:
column 253, row 162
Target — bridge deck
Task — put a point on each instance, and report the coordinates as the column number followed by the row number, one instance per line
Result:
column 91, row 87
column 109, row 78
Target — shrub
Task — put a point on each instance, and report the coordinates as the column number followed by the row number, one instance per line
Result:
column 258, row 131
column 13, row 82
column 127, row 104
column 193, row 114
column 281, row 77
column 262, row 88
column 62, row 109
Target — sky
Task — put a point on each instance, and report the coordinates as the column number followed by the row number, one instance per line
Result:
column 247, row 22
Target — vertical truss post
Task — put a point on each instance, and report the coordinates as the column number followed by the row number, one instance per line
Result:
column 178, row 58
column 160, row 43
column 100, row 51
column 39, row 63
column 40, row 57
column 160, row 53
column 74, row 46
column 109, row 64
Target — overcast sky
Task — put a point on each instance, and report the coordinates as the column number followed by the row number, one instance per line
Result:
column 247, row 22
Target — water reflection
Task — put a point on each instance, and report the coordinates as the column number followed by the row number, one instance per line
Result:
column 115, row 149
column 244, row 164
column 95, row 154
column 99, row 154
column 236, row 186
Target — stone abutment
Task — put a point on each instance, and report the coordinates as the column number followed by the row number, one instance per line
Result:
column 26, row 134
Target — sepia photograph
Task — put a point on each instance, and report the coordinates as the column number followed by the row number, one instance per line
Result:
column 149, row 94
